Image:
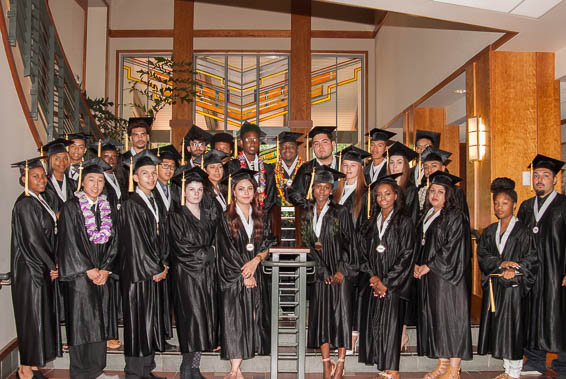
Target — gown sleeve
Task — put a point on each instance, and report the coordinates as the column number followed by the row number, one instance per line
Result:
column 397, row 277
column 348, row 264
column 111, row 255
column 296, row 193
column 229, row 261
column 73, row 259
column 489, row 263
column 364, row 244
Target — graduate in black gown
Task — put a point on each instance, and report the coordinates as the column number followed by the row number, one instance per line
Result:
column 323, row 144
column 32, row 264
column 115, row 185
column 250, row 136
column 166, row 193
column 443, row 270
column 423, row 139
column 214, row 168
column 223, row 142
column 377, row 167
column 195, row 144
column 242, row 245
column 192, row 234
column 327, row 229
column 144, row 263
column 77, row 151
column 545, row 215
column 387, row 244
column 508, row 260
column 60, row 188
column 138, row 136
column 87, row 247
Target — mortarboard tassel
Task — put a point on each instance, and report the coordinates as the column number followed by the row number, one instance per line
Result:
column 419, row 168
column 387, row 158
column 41, row 150
column 131, row 178
column 369, row 201
column 369, row 143
column 309, row 194
column 99, row 148
column 277, row 151
column 308, row 148
column 428, row 181
column 491, row 297
column 157, row 165
column 26, row 180
column 236, row 147
column 183, row 152
column 202, row 160
column 158, row 151
column 66, row 139
column 127, row 137
column 229, row 189
column 183, row 180
column 532, row 188
column 340, row 161
column 80, row 177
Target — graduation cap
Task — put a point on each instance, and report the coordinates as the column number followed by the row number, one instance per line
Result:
column 238, row 176
column 444, row 178
column 387, row 179
column 25, row 166
column 431, row 136
column 92, row 166
column 187, row 174
column 196, row 133
column 81, row 135
column 105, row 144
column 432, row 154
column 353, row 153
column 377, row 134
column 213, row 156
column 323, row 174
column 289, row 137
column 139, row 122
column 144, row 158
column 167, row 152
column 542, row 161
column 328, row 130
column 400, row 149
column 58, row 145
column 221, row 137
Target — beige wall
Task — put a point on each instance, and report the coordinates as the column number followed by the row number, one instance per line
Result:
column 21, row 146
column 560, row 63
column 141, row 14
column 96, row 52
column 69, row 20
column 411, row 61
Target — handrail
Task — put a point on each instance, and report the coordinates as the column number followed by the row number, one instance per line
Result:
column 56, row 101
column 6, row 279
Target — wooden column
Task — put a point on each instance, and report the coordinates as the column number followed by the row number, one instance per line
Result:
column 183, row 21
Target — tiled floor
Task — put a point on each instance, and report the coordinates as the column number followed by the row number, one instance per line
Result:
column 64, row 374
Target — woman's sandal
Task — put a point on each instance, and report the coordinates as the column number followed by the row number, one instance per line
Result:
column 440, row 369
column 113, row 344
column 451, row 373
column 332, row 366
column 335, row 370
column 231, row 375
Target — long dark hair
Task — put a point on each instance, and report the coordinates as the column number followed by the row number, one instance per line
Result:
column 234, row 222
column 405, row 175
column 359, row 192
column 398, row 207
column 450, row 201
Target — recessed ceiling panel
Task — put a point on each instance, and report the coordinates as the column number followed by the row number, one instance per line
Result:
column 492, row 5
column 535, row 8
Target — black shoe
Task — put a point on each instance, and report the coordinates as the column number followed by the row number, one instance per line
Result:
column 169, row 348
column 38, row 375
column 195, row 373
column 153, row 376
column 186, row 374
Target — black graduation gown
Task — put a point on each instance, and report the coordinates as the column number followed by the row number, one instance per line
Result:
column 51, row 197
column 362, row 216
column 143, row 253
column 443, row 327
column 412, row 209
column 412, row 202
column 112, row 195
column 193, row 277
column 504, row 333
column 270, row 190
column 330, row 313
column 91, row 310
column 245, row 314
column 380, row 335
column 297, row 193
column 175, row 200
column 381, row 173
column 547, row 301
column 34, row 294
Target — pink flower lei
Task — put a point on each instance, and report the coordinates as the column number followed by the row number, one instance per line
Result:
column 262, row 180
column 102, row 235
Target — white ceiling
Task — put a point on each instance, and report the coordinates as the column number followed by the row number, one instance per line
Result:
column 529, row 8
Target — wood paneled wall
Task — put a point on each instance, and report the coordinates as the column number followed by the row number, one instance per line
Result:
column 300, row 60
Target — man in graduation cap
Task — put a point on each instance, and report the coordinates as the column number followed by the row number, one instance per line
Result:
column 138, row 135
column 143, row 253
column 545, row 215
column 250, row 135
column 195, row 142
column 167, row 195
column 223, row 142
column 323, row 145
column 116, row 184
column 60, row 187
column 423, row 139
column 288, row 165
column 87, row 246
column 378, row 147
column 77, row 151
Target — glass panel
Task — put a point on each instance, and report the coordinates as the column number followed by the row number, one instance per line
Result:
column 210, row 99
column 273, row 93
column 350, row 99
column 323, row 90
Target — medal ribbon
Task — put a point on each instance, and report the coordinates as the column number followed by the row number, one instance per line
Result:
column 317, row 220
column 501, row 240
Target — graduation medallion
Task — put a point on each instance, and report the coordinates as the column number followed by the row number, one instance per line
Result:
column 318, row 246
column 423, row 242
column 289, row 182
column 535, row 230
column 380, row 249
column 250, row 247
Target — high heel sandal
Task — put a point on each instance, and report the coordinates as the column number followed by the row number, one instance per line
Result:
column 231, row 375
column 335, row 370
column 332, row 366
column 387, row 375
column 405, row 342
column 440, row 369
column 451, row 373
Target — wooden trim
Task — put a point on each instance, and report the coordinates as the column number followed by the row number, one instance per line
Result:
column 17, row 83
column 493, row 46
column 240, row 33
column 85, row 32
column 355, row 34
column 563, row 122
column 83, row 4
column 107, row 48
column 142, row 33
column 380, row 24
column 10, row 346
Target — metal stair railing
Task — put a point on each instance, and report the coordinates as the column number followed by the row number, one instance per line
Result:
column 56, row 99
column 290, row 323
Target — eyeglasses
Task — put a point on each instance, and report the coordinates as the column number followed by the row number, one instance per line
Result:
column 251, row 139
column 198, row 144
column 167, row 166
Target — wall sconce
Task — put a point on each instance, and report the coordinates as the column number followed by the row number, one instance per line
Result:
column 477, row 138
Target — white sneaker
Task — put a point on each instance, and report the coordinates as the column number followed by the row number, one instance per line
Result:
column 104, row 376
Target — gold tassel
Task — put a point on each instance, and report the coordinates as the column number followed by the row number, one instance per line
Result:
column 183, row 152
column 80, row 177
column 340, row 161
column 307, row 148
column 66, row 139
column 183, row 180
column 99, row 148
column 532, row 188
column 236, row 147
column 41, row 150
column 277, row 151
column 428, row 181
column 419, row 166
column 369, row 143
column 131, row 178
column 202, row 161
column 309, row 194
column 158, row 155
column 229, row 189
column 369, row 200
column 157, row 169
column 126, row 144
column 491, row 297
column 387, row 157
column 26, row 180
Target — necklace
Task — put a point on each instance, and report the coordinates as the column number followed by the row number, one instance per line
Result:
column 101, row 235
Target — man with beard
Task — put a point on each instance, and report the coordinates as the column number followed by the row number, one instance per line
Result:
column 196, row 141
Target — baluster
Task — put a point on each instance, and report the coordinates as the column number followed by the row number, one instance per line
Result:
column 50, row 83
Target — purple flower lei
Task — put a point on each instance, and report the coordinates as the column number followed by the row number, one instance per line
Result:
column 96, row 236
